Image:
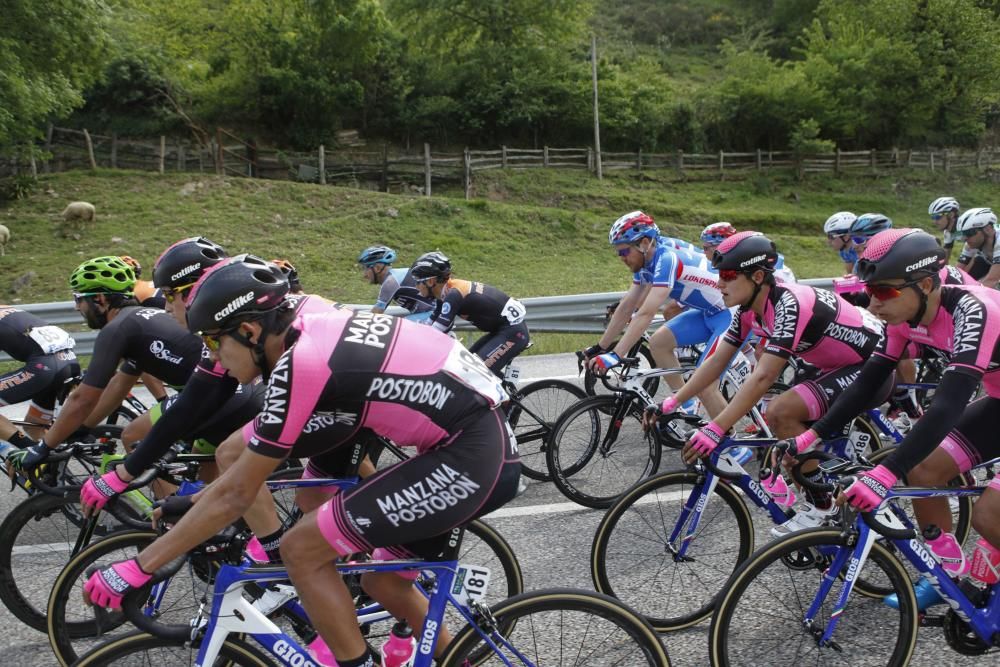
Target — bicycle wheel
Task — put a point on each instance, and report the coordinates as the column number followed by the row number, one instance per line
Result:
column 72, row 626
column 562, row 627
column 961, row 516
column 594, row 457
column 760, row 616
column 141, row 649
column 36, row 541
column 634, row 559
column 533, row 413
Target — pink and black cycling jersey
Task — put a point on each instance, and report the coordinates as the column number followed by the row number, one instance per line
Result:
column 400, row 379
column 966, row 328
column 211, row 401
column 812, row 324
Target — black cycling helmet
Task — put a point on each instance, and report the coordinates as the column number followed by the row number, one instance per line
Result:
column 239, row 289
column 907, row 254
column 431, row 265
column 746, row 252
column 186, row 261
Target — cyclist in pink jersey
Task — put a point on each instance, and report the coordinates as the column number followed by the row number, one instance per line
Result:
column 811, row 324
column 360, row 370
column 901, row 272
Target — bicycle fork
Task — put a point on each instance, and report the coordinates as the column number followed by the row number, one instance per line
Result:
column 690, row 517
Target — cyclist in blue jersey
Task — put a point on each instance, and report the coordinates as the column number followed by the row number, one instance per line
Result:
column 678, row 244
column 396, row 284
column 661, row 273
column 836, row 229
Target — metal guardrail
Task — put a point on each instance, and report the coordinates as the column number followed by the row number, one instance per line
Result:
column 576, row 313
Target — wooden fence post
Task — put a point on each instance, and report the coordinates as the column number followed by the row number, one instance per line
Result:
column 220, row 164
column 545, row 156
column 638, row 160
column 503, row 157
column 722, row 166
column 163, row 153
column 947, row 161
column 680, row 160
column 836, row 161
column 759, row 162
column 932, row 161
column 467, row 171
column 384, row 182
column 909, row 157
column 871, row 158
column 895, row 157
column 114, row 150
column 90, row 148
column 34, row 166
column 181, row 157
column 590, row 158
column 47, row 167
column 322, row 164
column 427, row 170
column 979, row 159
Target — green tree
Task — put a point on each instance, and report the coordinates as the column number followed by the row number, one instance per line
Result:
column 49, row 50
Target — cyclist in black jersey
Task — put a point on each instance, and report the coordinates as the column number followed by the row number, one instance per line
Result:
column 395, row 284
column 291, row 274
column 149, row 296
column 49, row 362
column 486, row 307
column 140, row 339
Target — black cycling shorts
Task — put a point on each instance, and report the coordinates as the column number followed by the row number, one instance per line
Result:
column 413, row 505
column 40, row 380
column 499, row 348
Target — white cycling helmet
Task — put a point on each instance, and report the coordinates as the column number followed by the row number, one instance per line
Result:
column 839, row 223
column 942, row 205
column 975, row 218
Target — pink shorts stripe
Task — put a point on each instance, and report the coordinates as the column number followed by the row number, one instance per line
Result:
column 339, row 536
column 815, row 405
column 958, row 452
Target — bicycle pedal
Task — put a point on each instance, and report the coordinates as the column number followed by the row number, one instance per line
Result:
column 931, row 620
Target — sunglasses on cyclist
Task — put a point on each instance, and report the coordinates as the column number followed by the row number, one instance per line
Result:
column 173, row 293
column 831, row 237
column 623, row 252
column 969, row 233
column 729, row 275
column 859, row 240
column 936, row 216
column 887, row 292
column 80, row 296
column 214, row 340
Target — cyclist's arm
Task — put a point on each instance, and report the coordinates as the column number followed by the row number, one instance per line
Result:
column 444, row 315
column 216, row 507
column 856, row 396
column 77, row 407
column 641, row 320
column 377, row 310
column 672, row 309
column 708, row 372
column 622, row 314
column 112, row 396
column 764, row 375
column 953, row 393
column 201, row 397
column 386, row 291
column 991, row 278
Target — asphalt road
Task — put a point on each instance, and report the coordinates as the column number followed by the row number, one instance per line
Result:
column 551, row 537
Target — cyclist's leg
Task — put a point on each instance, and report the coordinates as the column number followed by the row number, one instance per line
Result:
column 426, row 495
column 717, row 325
column 686, row 328
column 332, row 464
column 500, row 348
column 35, row 378
column 986, row 514
column 967, row 445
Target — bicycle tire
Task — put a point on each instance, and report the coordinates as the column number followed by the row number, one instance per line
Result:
column 791, row 555
column 39, row 534
column 533, row 424
column 234, row 652
column 961, row 528
column 644, row 548
column 69, row 623
column 642, row 647
column 575, row 462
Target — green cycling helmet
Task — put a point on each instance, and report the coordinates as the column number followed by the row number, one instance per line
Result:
column 103, row 275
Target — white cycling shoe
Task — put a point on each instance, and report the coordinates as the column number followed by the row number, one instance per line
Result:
column 806, row 516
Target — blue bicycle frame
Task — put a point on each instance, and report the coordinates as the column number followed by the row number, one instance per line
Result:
column 985, row 621
column 231, row 612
